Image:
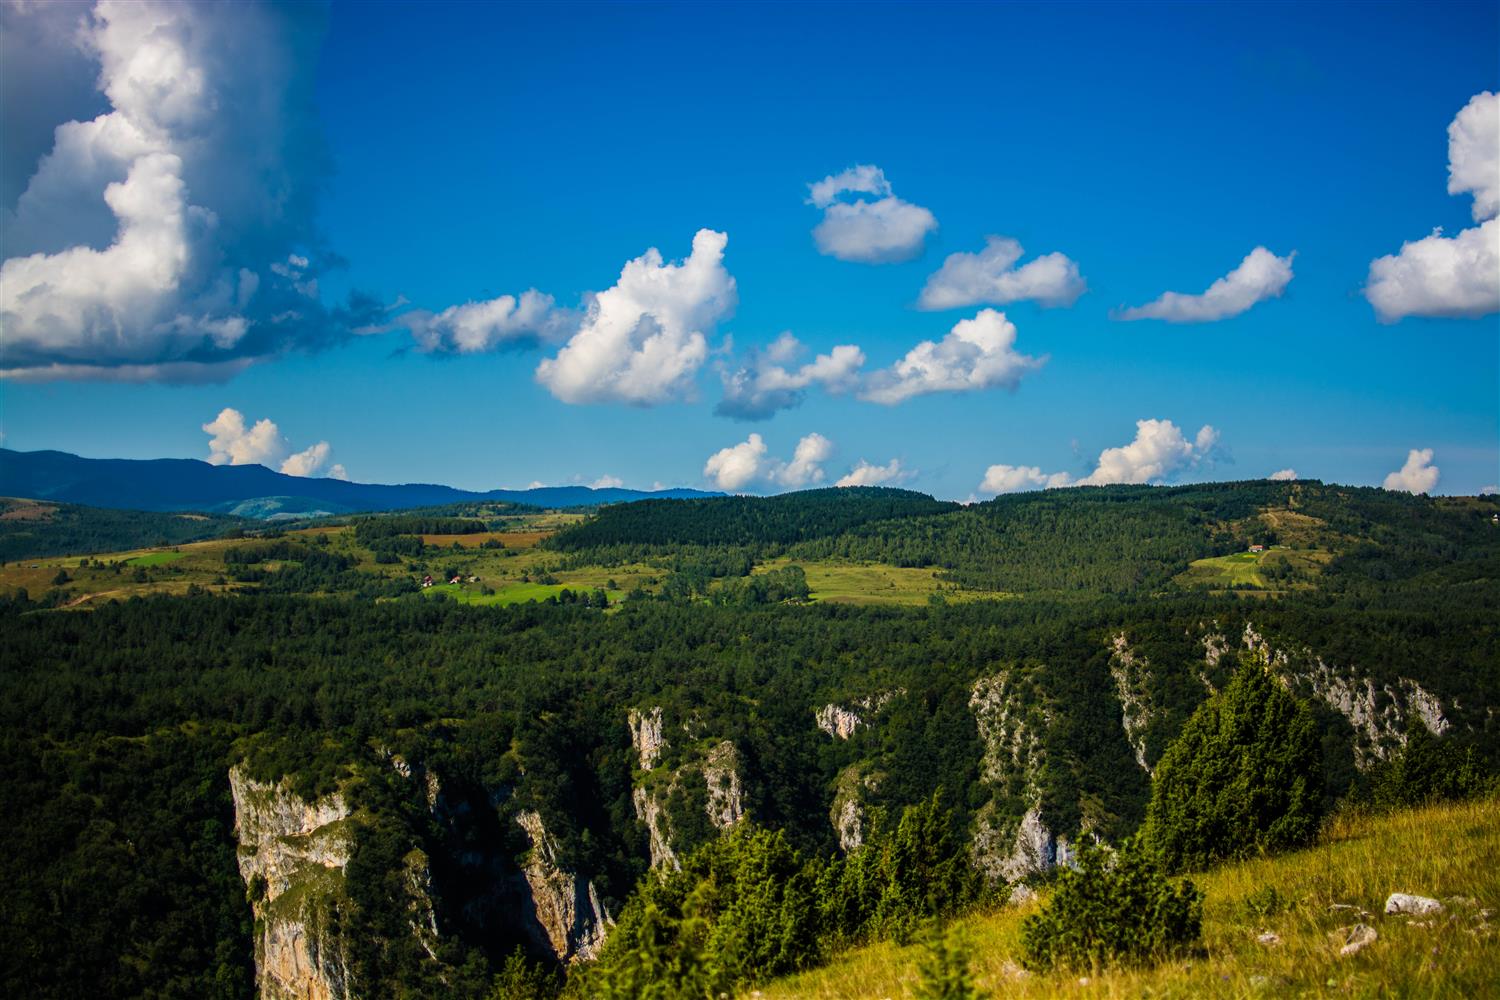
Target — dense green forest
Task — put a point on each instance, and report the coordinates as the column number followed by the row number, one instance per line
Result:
column 121, row 724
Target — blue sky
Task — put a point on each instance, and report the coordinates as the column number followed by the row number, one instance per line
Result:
column 442, row 155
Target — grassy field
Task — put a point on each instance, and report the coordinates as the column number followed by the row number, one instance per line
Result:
column 875, row 583
column 1443, row 851
column 515, row 593
column 1248, row 569
column 155, row 558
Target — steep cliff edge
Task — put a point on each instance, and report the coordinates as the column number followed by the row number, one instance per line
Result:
column 292, row 855
column 709, row 771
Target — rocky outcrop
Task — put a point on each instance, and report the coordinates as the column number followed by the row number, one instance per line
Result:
column 848, row 812
column 567, row 908
column 1009, row 728
column 292, row 855
column 1378, row 715
column 648, row 809
column 646, row 737
column 721, row 773
column 1132, row 676
column 1010, row 718
column 718, row 765
column 840, row 721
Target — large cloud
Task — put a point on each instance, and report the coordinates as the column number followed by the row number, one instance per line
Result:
column 1418, row 475
column 977, row 353
column 764, row 382
column 234, row 442
column 748, row 463
column 172, row 237
column 990, row 276
column 1159, row 451
column 877, row 230
column 642, row 341
column 1459, row 276
column 1261, row 275
column 1445, row 277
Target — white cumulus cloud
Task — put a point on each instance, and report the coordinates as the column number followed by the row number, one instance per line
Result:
column 749, row 463
column 164, row 238
column 876, row 230
column 977, row 353
column 1418, row 475
column 1159, row 451
column 484, row 326
column 765, row 381
column 607, row 482
column 1447, row 277
column 806, row 466
column 1283, row 475
column 233, row 441
column 642, row 341
column 1261, row 275
column 866, row 474
column 1474, row 154
column 311, row 461
column 1459, row 276
column 990, row 276
column 1015, row 478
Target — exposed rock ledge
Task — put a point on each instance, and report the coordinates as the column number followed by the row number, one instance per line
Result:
column 286, row 842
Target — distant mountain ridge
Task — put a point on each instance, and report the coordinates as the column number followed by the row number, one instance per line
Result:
column 172, row 484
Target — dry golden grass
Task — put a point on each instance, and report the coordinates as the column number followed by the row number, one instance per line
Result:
column 1443, row 851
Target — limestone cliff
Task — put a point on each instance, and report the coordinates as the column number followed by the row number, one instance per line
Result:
column 840, row 721
column 1011, row 718
column 292, row 855
column 717, row 765
column 848, row 813
column 1132, row 677
column 566, row 907
column 1378, row 714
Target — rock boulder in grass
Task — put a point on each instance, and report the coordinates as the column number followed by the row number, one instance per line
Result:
column 1404, row 903
column 1352, row 939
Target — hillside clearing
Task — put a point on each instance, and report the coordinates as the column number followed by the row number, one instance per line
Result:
column 1444, row 851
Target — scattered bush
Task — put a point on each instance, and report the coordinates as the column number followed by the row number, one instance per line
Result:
column 943, row 971
column 1114, row 909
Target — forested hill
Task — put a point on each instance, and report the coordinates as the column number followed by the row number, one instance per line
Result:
column 743, row 520
column 30, row 528
column 1114, row 539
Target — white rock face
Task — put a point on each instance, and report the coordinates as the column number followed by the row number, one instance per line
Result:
column 1401, row 902
column 646, row 737
column 648, row 810
column 286, row 841
column 838, row 721
column 1377, row 715
column 848, row 811
column 1001, row 848
column 721, row 773
column 1132, row 675
column 1009, row 730
column 567, row 907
